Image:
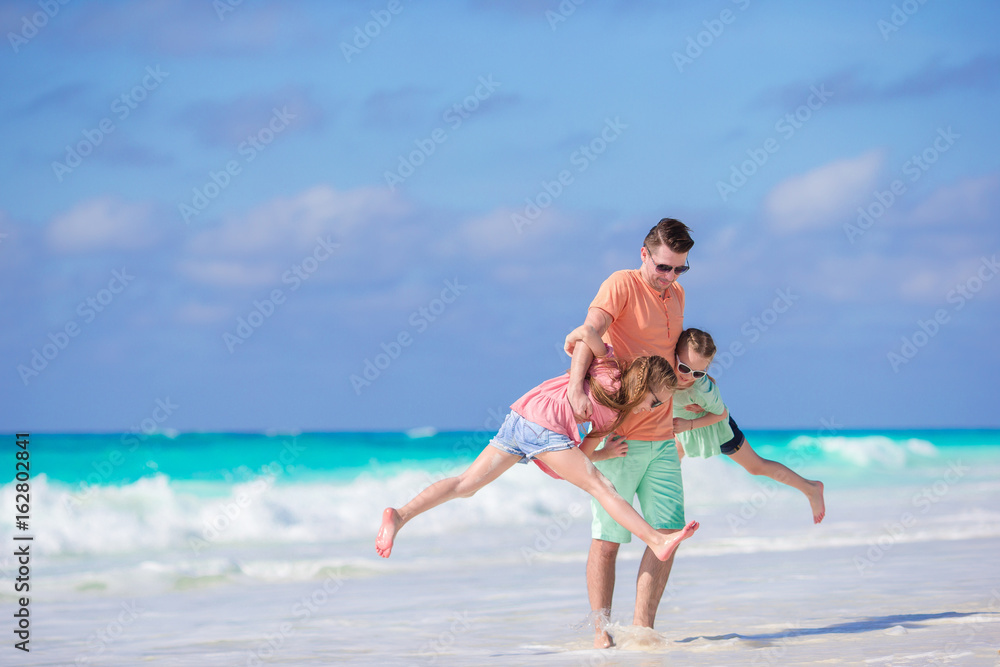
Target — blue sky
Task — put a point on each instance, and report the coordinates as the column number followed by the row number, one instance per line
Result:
column 215, row 219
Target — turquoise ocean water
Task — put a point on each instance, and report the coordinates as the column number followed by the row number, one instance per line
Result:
column 221, row 536
column 165, row 488
column 115, row 459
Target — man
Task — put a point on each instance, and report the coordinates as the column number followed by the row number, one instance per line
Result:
column 639, row 312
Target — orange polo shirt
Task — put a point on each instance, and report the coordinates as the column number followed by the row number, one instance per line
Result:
column 643, row 324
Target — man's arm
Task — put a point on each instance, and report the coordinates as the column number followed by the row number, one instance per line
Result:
column 589, row 337
column 595, row 325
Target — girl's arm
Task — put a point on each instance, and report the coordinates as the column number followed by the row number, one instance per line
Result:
column 615, row 446
column 682, row 425
column 588, row 446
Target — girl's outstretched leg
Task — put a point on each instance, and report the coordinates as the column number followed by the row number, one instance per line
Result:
column 755, row 465
column 574, row 466
column 490, row 464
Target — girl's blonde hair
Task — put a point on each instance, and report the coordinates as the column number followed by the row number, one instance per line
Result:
column 697, row 341
column 637, row 377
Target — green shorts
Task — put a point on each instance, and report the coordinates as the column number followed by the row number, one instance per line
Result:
column 652, row 471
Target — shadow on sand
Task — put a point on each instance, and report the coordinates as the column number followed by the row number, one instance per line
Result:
column 851, row 627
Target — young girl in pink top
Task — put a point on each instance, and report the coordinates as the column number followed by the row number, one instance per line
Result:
column 541, row 426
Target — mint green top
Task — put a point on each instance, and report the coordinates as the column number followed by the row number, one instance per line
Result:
column 705, row 441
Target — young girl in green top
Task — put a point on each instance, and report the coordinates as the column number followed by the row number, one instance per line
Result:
column 708, row 429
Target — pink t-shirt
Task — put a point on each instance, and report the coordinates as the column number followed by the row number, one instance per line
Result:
column 548, row 404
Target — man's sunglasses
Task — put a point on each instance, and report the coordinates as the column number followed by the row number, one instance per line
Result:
column 684, row 368
column 666, row 268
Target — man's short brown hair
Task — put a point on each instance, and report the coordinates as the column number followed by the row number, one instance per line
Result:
column 672, row 233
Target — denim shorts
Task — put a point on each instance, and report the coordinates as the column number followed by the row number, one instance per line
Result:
column 526, row 439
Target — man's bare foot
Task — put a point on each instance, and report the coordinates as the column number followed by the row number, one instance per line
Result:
column 603, row 640
column 600, row 620
column 666, row 550
column 815, row 496
column 387, row 532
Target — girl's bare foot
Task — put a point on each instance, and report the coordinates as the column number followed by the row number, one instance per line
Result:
column 815, row 496
column 387, row 532
column 666, row 550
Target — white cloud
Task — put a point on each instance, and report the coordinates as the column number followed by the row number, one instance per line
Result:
column 294, row 223
column 922, row 284
column 824, row 195
column 100, row 224
column 496, row 234
column 228, row 273
column 873, row 278
column 200, row 313
column 972, row 200
column 932, row 285
column 854, row 279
